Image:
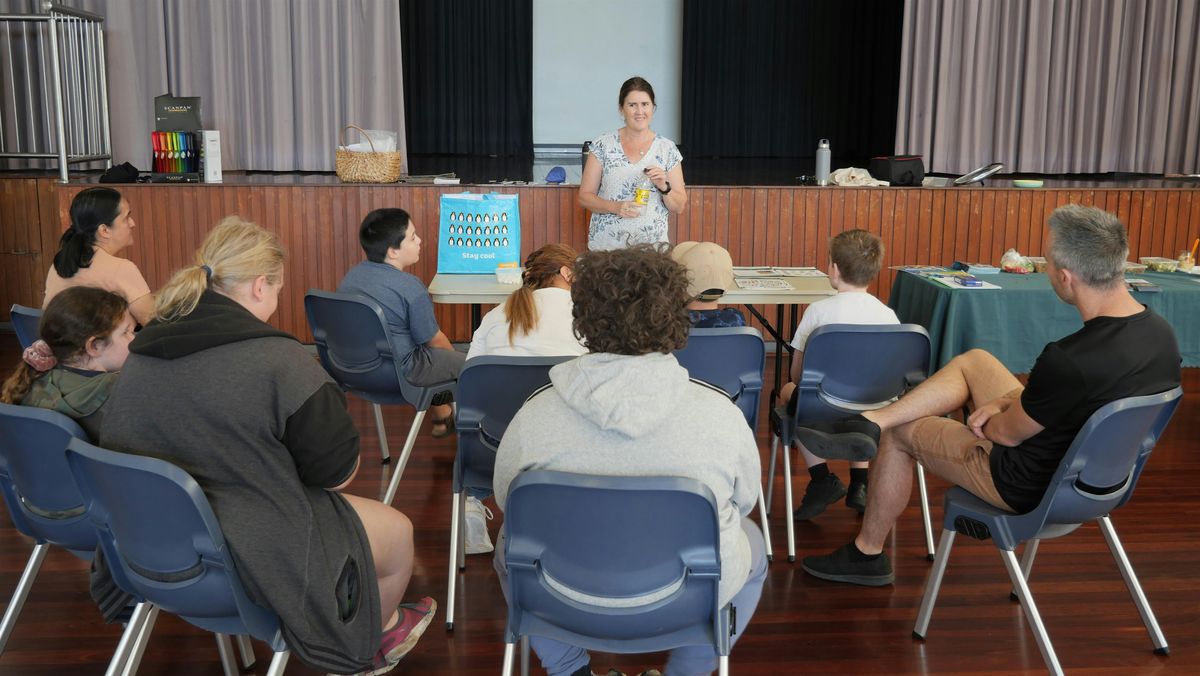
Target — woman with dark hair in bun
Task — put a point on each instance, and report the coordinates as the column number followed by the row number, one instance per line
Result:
column 101, row 227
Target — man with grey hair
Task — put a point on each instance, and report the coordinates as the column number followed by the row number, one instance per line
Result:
column 1013, row 441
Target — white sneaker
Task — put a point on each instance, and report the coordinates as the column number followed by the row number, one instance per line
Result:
column 477, row 516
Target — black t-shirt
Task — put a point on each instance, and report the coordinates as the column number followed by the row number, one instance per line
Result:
column 1110, row 358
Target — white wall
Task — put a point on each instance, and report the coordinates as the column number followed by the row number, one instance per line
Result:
column 583, row 50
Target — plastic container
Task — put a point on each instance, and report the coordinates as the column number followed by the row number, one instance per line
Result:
column 1039, row 263
column 1132, row 268
column 508, row 274
column 824, row 154
column 1159, row 264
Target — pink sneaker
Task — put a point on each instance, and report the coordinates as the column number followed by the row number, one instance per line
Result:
column 400, row 639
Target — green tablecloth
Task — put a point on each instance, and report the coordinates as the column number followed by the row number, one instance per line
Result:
column 1016, row 321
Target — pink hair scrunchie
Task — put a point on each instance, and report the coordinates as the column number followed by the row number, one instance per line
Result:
column 39, row 356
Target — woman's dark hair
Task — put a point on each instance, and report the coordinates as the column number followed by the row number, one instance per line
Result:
column 73, row 316
column 89, row 210
column 635, row 84
column 630, row 301
column 381, row 230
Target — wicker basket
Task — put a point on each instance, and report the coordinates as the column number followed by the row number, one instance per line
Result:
column 372, row 167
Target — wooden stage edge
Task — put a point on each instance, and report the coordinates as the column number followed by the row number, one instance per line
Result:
column 318, row 223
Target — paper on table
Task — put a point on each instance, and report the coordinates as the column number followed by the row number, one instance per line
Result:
column 951, row 281
column 800, row 272
column 763, row 283
column 754, row 272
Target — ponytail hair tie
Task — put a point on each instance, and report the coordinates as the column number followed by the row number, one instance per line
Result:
column 207, row 273
column 39, row 356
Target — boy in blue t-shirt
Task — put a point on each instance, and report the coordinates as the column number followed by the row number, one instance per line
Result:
column 710, row 275
column 389, row 238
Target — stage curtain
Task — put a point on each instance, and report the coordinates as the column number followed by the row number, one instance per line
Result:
column 281, row 78
column 1062, row 86
column 771, row 77
column 468, row 70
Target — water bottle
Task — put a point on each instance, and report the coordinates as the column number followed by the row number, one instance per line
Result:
column 642, row 194
column 823, row 154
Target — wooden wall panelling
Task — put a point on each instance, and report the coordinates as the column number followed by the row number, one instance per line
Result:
column 759, row 225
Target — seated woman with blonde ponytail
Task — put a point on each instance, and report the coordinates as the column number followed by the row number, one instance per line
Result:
column 536, row 319
column 240, row 405
column 83, row 340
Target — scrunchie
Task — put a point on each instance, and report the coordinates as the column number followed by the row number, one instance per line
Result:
column 39, row 356
column 207, row 273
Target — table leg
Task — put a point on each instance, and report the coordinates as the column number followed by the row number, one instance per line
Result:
column 778, row 351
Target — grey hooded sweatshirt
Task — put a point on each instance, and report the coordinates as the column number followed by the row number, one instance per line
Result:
column 618, row 415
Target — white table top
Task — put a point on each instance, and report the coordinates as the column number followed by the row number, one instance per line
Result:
column 484, row 289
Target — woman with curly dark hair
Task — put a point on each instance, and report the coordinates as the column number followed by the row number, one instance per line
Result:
column 629, row 409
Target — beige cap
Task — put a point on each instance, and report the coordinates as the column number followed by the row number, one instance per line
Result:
column 710, row 269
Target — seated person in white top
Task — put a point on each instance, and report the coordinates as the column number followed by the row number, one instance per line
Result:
column 535, row 321
column 854, row 260
column 101, row 227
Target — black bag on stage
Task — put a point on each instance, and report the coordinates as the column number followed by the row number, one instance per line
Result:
column 898, row 169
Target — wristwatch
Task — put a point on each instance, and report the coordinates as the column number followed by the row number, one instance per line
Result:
column 667, row 190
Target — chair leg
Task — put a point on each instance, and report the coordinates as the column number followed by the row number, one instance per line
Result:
column 278, row 663
column 787, row 503
column 766, row 529
column 524, row 656
column 246, row 649
column 1135, row 589
column 509, row 653
column 36, row 557
column 452, row 575
column 139, row 646
column 136, row 631
column 1031, row 548
column 925, row 512
column 408, row 446
column 229, row 663
column 934, row 584
column 771, row 471
column 382, row 432
column 723, row 665
column 1031, row 612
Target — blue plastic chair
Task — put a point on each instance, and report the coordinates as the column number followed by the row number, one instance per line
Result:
column 491, row 391
column 163, row 545
column 40, row 494
column 555, row 522
column 848, row 369
column 1097, row 475
column 355, row 347
column 732, row 359
column 25, row 322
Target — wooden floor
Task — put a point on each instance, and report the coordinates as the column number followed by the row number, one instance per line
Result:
column 803, row 625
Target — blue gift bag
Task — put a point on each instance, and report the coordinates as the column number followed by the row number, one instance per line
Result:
column 478, row 233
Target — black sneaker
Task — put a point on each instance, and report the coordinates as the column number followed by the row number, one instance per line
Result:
column 854, row 438
column 820, row 494
column 856, row 497
column 841, row 566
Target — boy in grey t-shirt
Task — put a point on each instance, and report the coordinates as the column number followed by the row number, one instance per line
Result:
column 389, row 238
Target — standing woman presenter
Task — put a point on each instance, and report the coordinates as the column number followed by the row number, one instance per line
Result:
column 618, row 163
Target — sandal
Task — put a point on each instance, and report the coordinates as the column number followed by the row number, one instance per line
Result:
column 446, row 428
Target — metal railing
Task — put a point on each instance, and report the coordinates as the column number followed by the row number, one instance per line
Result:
column 55, row 92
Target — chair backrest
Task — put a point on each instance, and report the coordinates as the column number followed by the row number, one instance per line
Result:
column 490, row 392
column 1102, row 465
column 355, row 345
column 731, row 359
column 38, row 489
column 25, row 322
column 851, row 367
column 162, row 541
column 584, row 553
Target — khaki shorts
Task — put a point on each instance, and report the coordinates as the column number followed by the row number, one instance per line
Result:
column 951, row 450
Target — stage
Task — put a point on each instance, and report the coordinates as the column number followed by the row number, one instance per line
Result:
column 316, row 216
